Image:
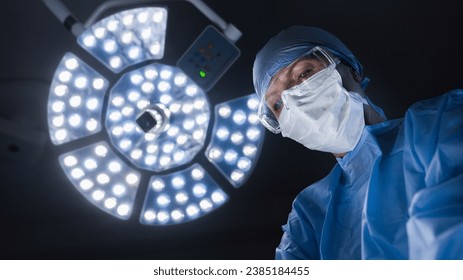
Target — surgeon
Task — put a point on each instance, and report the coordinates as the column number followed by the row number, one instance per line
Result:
column 396, row 191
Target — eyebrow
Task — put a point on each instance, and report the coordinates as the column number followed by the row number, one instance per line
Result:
column 280, row 72
column 291, row 66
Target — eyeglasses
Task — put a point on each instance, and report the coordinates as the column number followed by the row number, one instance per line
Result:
column 301, row 69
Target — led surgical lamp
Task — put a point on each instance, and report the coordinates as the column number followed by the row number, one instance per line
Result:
column 207, row 59
column 156, row 117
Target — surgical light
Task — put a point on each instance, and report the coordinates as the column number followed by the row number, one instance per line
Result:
column 101, row 177
column 147, row 133
column 75, row 105
column 181, row 196
column 154, row 119
column 236, row 138
column 127, row 38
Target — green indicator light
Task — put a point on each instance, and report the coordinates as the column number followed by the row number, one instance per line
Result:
column 202, row 73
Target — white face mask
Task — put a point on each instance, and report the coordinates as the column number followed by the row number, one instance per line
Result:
column 321, row 115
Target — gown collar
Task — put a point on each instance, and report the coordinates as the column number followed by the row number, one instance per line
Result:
column 361, row 159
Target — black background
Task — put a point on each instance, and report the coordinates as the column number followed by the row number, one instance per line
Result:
column 411, row 50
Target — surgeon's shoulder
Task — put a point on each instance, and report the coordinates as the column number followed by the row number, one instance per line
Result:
column 434, row 124
column 449, row 102
column 432, row 115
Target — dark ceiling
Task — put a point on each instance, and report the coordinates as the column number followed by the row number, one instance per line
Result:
column 411, row 50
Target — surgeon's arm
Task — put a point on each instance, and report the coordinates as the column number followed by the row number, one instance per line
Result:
column 434, row 177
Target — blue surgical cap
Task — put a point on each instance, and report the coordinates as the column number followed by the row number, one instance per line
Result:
column 291, row 43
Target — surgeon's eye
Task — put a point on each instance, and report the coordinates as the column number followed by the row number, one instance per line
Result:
column 304, row 76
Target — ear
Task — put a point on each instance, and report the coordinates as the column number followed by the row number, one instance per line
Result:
column 355, row 75
column 350, row 79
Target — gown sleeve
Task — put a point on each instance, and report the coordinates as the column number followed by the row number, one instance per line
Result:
column 296, row 240
column 302, row 233
column 433, row 168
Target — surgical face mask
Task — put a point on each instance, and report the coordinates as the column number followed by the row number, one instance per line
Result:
column 321, row 115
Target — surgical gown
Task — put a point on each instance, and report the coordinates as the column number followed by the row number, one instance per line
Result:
column 397, row 195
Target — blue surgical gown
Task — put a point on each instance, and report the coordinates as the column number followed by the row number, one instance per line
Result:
column 397, row 195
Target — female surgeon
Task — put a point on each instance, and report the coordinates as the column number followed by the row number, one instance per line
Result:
column 396, row 191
